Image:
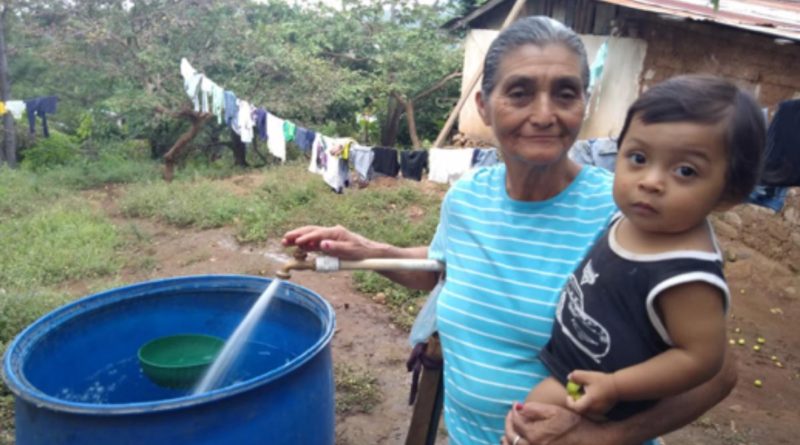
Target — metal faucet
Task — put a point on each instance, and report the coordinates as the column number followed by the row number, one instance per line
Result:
column 299, row 262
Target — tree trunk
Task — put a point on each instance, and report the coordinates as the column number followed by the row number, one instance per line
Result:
column 8, row 152
column 391, row 126
column 408, row 104
column 198, row 120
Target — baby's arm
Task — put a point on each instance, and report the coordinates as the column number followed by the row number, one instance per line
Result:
column 549, row 391
column 694, row 316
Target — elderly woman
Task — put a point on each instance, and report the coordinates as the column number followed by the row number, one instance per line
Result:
column 509, row 235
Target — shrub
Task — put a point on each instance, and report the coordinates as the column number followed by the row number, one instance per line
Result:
column 58, row 149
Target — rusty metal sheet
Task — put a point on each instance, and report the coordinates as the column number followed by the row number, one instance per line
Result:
column 779, row 18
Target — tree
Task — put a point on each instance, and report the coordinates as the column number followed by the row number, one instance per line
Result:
column 8, row 152
column 398, row 51
column 313, row 64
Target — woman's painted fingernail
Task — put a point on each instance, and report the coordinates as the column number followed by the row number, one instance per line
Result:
column 518, row 406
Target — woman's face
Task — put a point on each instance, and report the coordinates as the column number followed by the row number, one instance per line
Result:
column 537, row 105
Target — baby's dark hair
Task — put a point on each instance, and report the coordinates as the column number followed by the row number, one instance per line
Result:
column 710, row 100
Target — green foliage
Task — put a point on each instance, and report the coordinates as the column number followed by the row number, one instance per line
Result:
column 199, row 203
column 116, row 62
column 99, row 125
column 56, row 150
column 56, row 243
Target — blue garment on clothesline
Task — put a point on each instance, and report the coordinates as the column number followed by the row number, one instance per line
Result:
column 40, row 106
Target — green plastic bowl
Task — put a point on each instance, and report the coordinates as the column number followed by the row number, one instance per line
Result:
column 178, row 361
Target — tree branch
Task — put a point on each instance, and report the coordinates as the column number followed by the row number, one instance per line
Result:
column 441, row 83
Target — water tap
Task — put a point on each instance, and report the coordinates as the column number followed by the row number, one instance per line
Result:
column 298, row 262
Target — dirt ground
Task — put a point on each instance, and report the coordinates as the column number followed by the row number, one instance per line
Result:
column 763, row 253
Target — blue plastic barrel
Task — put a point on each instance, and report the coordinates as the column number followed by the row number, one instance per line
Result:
column 76, row 378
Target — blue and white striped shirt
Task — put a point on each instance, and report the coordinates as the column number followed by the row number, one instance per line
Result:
column 507, row 261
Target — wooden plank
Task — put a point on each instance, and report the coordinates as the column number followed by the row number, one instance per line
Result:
column 603, row 16
column 428, row 406
column 448, row 125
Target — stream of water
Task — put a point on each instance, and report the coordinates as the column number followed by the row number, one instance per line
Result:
column 219, row 369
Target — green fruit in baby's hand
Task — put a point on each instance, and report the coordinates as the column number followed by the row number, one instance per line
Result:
column 574, row 390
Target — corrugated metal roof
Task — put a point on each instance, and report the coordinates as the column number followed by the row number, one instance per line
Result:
column 780, row 18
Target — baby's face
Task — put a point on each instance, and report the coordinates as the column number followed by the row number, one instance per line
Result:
column 670, row 176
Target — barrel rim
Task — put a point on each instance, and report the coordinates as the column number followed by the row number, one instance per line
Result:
column 21, row 388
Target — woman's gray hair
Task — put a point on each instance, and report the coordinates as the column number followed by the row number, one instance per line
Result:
column 534, row 30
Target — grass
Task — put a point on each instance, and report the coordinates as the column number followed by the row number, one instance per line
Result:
column 200, row 203
column 357, row 390
column 22, row 193
column 289, row 197
column 63, row 242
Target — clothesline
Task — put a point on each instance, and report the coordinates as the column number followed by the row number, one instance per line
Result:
column 331, row 157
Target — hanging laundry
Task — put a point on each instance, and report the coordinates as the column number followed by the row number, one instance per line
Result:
column 191, row 82
column 412, row 163
column 288, row 130
column 361, row 158
column 40, row 106
column 231, row 111
column 245, row 120
column 782, row 164
column 218, row 103
column 484, row 157
column 599, row 63
column 260, row 122
column 318, row 156
column 768, row 196
column 447, row 165
column 16, row 108
column 304, row 138
column 600, row 152
column 275, row 139
column 385, row 162
column 341, row 148
column 206, row 92
column 335, row 171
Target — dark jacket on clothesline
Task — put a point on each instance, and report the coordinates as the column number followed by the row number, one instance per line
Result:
column 40, row 106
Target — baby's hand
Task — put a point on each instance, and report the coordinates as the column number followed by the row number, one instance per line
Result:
column 599, row 393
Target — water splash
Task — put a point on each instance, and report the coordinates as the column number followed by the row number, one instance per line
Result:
column 219, row 369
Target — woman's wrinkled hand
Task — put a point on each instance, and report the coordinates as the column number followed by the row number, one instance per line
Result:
column 539, row 424
column 335, row 241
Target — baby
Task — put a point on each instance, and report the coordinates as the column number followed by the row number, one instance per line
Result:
column 643, row 316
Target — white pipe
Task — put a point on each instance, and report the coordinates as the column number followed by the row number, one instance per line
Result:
column 332, row 264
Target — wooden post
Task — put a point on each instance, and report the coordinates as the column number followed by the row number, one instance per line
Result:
column 448, row 125
column 430, row 395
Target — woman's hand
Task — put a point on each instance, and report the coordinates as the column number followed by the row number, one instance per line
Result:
column 541, row 424
column 334, row 241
